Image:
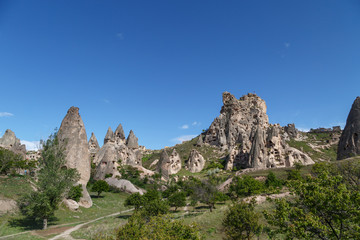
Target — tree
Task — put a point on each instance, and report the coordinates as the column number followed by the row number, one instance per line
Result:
column 205, row 192
column 155, row 208
column 100, row 186
column 75, row 193
column 241, row 221
column 272, row 181
column 177, row 199
column 54, row 181
column 135, row 200
column 323, row 208
column 245, row 186
column 157, row 228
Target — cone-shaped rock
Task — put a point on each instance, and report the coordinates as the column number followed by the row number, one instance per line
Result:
column 119, row 132
column 93, row 146
column 196, row 162
column 132, row 140
column 109, row 137
column 164, row 165
column 175, row 162
column 200, row 141
column 349, row 144
column 72, row 135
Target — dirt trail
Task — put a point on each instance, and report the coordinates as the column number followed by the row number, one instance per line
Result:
column 66, row 234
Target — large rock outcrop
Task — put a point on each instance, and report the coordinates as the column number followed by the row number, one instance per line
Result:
column 175, row 162
column 72, row 135
column 93, row 146
column 243, row 129
column 196, row 162
column 11, row 142
column 164, row 165
column 349, row 144
column 116, row 152
column 124, row 185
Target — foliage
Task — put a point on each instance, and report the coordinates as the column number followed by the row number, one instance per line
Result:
column 323, row 208
column 159, row 228
column 241, row 221
column 133, row 175
column 177, row 199
column 54, row 181
column 205, row 192
column 75, row 193
column 9, row 162
column 135, row 200
column 272, row 181
column 155, row 208
column 245, row 186
column 100, row 186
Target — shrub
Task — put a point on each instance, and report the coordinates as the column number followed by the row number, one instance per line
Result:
column 245, row 186
column 100, row 186
column 75, row 193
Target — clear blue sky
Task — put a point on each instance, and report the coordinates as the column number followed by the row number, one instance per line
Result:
column 156, row 66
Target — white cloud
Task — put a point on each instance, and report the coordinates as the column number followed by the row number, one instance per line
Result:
column 6, row 114
column 120, row 36
column 303, row 129
column 183, row 138
column 184, row 126
column 196, row 123
column 31, row 145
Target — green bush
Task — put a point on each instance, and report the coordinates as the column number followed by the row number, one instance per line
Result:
column 245, row 186
column 100, row 186
column 75, row 193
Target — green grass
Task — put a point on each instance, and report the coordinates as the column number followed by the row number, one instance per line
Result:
column 13, row 187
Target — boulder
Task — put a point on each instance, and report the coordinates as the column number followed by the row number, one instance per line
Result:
column 196, row 162
column 124, row 185
column 132, row 141
column 294, row 155
column 7, row 205
column 72, row 135
column 349, row 144
column 71, row 204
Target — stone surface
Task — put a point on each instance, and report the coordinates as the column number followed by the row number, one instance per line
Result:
column 132, row 141
column 164, row 165
column 119, row 134
column 11, row 142
column 243, row 129
column 93, row 146
column 124, row 185
column 72, row 135
column 71, row 204
column 7, row 205
column 196, row 162
column 200, row 141
column 106, row 161
column 109, row 137
column 349, row 144
column 175, row 162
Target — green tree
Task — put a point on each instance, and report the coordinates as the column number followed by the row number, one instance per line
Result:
column 9, row 161
column 155, row 208
column 323, row 208
column 245, row 186
column 272, row 181
column 75, row 193
column 205, row 192
column 54, row 181
column 157, row 228
column 241, row 221
column 135, row 200
column 100, row 186
column 177, row 199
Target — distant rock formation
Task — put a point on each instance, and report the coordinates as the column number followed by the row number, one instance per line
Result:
column 200, row 141
column 72, row 136
column 124, row 185
column 11, row 142
column 196, row 162
column 243, row 129
column 164, row 165
column 116, row 152
column 93, row 146
column 349, row 144
column 132, row 141
column 175, row 162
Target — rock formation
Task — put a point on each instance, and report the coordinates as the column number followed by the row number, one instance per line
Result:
column 124, row 185
column 116, row 152
column 243, row 129
column 349, row 144
column 11, row 142
column 132, row 141
column 196, row 162
column 93, row 146
column 175, row 162
column 200, row 141
column 72, row 136
column 164, row 165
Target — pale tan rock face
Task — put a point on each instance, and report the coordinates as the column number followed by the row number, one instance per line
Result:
column 72, row 135
column 196, row 162
column 106, row 160
column 244, row 130
column 175, row 162
column 11, row 142
column 93, row 146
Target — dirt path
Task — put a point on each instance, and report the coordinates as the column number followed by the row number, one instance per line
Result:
column 68, row 231
column 66, row 234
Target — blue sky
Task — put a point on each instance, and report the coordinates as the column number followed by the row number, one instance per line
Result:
column 160, row 67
